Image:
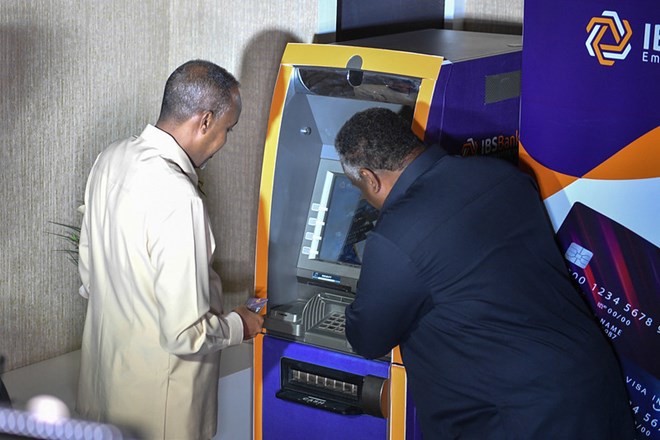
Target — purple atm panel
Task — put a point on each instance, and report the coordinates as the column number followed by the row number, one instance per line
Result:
column 476, row 105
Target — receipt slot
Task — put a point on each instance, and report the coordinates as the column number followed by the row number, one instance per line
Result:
column 460, row 89
column 333, row 390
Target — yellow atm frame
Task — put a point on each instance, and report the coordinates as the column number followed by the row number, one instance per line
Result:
column 425, row 67
column 458, row 74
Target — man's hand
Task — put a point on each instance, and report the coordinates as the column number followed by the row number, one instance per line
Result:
column 252, row 322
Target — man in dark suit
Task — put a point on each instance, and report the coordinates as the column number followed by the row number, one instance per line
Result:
column 463, row 273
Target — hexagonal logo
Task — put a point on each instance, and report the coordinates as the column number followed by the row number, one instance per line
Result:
column 469, row 148
column 602, row 32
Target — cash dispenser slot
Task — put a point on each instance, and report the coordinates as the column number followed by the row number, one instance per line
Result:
column 333, row 390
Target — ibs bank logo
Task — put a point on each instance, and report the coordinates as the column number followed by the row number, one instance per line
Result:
column 497, row 144
column 609, row 40
column 605, row 30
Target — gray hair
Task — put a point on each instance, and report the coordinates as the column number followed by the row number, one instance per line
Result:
column 376, row 138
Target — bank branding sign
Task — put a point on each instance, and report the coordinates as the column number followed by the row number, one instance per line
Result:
column 608, row 39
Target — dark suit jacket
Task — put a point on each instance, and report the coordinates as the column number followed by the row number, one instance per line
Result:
column 462, row 271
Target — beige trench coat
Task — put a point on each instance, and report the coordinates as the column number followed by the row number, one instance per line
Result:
column 154, row 323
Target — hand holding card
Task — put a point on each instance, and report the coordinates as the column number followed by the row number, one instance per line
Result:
column 256, row 304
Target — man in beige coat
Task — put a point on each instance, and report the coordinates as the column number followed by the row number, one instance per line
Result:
column 155, row 326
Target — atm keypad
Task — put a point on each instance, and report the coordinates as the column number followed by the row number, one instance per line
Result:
column 335, row 322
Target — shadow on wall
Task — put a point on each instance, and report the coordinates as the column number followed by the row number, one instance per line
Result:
column 259, row 69
column 16, row 45
column 235, row 192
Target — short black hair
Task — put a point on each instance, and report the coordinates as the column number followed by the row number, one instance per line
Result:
column 195, row 87
column 378, row 139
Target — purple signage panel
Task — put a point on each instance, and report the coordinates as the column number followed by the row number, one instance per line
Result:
column 590, row 80
column 590, row 92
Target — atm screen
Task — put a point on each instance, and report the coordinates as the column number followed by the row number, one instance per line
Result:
column 338, row 222
column 348, row 220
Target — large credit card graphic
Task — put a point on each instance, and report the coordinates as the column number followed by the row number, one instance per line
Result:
column 619, row 273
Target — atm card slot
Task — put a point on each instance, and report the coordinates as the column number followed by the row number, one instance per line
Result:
column 286, row 319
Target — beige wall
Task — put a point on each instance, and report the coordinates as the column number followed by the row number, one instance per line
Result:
column 499, row 16
column 78, row 74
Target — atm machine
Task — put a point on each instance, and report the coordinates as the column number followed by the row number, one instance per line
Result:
column 457, row 88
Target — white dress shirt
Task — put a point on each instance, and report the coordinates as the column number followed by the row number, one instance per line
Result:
column 154, row 324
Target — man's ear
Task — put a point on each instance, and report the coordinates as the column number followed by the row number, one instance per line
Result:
column 371, row 179
column 205, row 121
